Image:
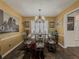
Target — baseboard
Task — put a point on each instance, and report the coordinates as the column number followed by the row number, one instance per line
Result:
column 73, row 45
column 62, row 45
column 11, row 49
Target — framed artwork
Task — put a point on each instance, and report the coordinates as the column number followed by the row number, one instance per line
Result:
column 8, row 23
column 27, row 24
column 70, row 23
column 51, row 24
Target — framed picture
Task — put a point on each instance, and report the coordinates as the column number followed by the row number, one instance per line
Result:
column 27, row 24
column 51, row 24
column 8, row 23
column 70, row 23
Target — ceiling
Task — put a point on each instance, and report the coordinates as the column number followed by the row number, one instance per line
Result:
column 48, row 7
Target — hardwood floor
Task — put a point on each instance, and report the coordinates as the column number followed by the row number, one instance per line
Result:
column 68, row 53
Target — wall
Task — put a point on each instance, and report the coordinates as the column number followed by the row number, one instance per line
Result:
column 50, row 19
column 8, row 43
column 60, row 19
column 28, row 19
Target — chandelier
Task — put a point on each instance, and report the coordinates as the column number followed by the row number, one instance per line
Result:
column 39, row 17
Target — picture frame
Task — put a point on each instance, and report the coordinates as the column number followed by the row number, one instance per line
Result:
column 27, row 24
column 8, row 23
column 51, row 24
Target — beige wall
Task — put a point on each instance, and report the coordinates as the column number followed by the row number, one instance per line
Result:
column 60, row 19
column 5, row 43
column 50, row 19
column 8, row 43
column 28, row 19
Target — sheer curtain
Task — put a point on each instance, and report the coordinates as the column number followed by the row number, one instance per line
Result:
column 39, row 26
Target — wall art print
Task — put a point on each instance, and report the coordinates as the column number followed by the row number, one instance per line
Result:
column 8, row 23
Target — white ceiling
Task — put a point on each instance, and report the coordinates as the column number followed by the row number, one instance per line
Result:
column 30, row 7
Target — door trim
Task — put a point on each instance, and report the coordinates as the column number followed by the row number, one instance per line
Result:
column 65, row 25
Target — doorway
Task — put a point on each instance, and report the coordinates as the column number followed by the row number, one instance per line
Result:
column 71, row 29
